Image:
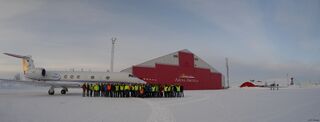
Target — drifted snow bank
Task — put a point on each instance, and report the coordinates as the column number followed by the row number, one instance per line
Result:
column 233, row 105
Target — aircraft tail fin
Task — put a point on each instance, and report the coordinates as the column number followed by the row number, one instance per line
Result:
column 27, row 62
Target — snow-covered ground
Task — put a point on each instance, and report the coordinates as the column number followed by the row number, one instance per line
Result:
column 233, row 105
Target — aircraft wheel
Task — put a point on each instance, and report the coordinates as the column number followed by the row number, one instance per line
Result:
column 63, row 91
column 51, row 92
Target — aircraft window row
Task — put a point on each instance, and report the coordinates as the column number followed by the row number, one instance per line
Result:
column 91, row 77
column 71, row 76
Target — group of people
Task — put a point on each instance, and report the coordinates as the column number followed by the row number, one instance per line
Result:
column 131, row 90
column 274, row 86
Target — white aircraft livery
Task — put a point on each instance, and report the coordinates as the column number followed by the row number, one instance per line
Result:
column 67, row 79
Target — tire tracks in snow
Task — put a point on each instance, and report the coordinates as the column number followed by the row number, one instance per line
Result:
column 159, row 112
column 191, row 100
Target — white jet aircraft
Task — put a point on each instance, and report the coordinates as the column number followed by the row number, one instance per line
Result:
column 67, row 79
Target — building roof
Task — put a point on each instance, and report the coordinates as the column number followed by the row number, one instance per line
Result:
column 247, row 84
column 172, row 59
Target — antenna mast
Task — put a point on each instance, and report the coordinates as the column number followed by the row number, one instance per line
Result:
column 112, row 53
column 227, row 66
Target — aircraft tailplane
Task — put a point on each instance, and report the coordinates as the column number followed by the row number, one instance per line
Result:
column 27, row 62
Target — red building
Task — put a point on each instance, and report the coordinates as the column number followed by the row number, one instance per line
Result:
column 247, row 84
column 181, row 67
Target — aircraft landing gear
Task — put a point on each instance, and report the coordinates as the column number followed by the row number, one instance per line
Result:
column 51, row 91
column 64, row 90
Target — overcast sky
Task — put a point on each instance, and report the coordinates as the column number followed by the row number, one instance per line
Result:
column 263, row 39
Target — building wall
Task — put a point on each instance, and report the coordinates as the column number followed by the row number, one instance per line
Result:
column 184, row 73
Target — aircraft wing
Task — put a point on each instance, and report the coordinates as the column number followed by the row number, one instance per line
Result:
column 55, row 84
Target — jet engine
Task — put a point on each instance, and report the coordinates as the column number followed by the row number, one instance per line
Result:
column 37, row 73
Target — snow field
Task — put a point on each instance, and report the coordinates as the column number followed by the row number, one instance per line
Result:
column 233, row 105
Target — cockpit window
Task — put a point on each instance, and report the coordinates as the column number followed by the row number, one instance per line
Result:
column 130, row 75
